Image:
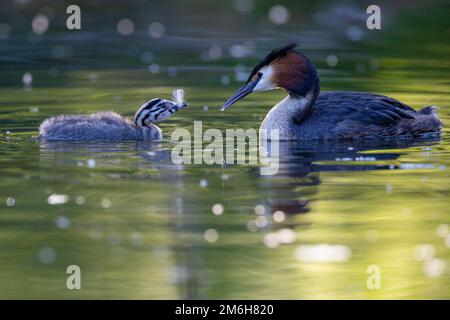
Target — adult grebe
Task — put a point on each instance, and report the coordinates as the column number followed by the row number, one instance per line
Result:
column 307, row 115
column 110, row 126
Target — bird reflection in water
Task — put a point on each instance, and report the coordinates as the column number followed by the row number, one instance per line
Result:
column 293, row 188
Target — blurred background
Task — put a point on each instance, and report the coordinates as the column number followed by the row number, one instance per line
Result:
column 140, row 227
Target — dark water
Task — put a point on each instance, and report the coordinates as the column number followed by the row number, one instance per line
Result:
column 141, row 227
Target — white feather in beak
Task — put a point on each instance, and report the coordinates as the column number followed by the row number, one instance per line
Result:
column 178, row 96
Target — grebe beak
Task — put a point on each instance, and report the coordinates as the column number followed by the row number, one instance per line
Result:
column 241, row 93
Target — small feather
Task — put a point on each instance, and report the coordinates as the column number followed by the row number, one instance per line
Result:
column 178, row 96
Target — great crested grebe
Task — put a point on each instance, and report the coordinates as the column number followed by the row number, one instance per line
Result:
column 340, row 115
column 110, row 126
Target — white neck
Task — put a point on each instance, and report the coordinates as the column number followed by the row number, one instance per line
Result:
column 282, row 115
column 286, row 109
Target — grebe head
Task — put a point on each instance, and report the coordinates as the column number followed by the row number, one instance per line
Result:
column 282, row 68
column 157, row 109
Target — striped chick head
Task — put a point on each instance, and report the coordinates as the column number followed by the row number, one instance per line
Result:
column 157, row 110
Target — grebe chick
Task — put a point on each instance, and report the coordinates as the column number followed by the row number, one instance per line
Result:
column 110, row 126
column 341, row 115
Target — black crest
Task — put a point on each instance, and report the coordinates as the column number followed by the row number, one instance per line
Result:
column 273, row 55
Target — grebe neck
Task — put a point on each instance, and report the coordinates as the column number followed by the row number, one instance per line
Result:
column 299, row 106
column 293, row 109
column 301, row 82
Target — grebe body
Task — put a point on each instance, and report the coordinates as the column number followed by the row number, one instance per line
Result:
column 307, row 114
column 360, row 115
column 110, row 126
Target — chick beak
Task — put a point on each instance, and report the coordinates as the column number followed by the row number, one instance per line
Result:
column 241, row 93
